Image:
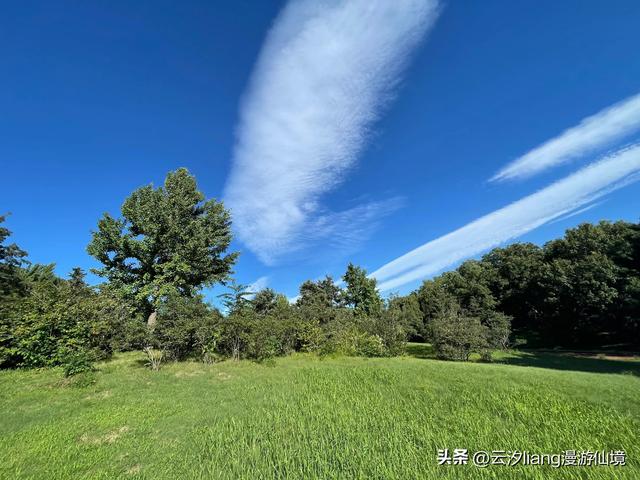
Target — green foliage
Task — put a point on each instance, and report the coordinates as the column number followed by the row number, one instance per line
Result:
column 184, row 325
column 499, row 330
column 408, row 314
column 319, row 301
column 169, row 240
column 60, row 322
column 237, row 298
column 352, row 333
column 11, row 258
column 515, row 271
column 76, row 360
column 576, row 291
column 434, row 299
column 265, row 301
column 361, row 292
column 455, row 335
column 255, row 332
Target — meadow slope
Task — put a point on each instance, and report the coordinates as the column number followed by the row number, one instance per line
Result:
column 306, row 417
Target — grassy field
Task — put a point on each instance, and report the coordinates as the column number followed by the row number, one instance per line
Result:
column 306, row 417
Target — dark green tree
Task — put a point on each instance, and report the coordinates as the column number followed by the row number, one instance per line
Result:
column 12, row 258
column 407, row 311
column 514, row 271
column 455, row 335
column 77, row 281
column 361, row 292
column 170, row 240
column 322, row 293
column 320, row 301
column 264, row 301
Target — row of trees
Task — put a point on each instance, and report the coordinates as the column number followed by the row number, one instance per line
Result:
column 167, row 245
column 582, row 290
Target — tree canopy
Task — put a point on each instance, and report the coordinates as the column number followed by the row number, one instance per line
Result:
column 169, row 240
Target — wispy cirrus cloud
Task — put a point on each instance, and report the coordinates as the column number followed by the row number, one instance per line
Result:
column 259, row 284
column 325, row 72
column 597, row 131
column 561, row 198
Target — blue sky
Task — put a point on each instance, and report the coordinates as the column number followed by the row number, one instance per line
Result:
column 336, row 131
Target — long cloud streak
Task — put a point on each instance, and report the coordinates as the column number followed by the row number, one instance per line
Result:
column 561, row 198
column 599, row 130
column 325, row 71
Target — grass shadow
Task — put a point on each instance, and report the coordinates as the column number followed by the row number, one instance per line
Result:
column 594, row 362
column 581, row 362
column 420, row 350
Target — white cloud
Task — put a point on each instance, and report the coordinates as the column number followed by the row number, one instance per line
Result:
column 258, row 285
column 597, row 131
column 561, row 198
column 326, row 70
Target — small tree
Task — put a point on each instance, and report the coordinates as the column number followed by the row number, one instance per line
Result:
column 11, row 258
column 361, row 292
column 185, row 326
column 264, row 301
column 169, row 241
column 455, row 335
column 76, row 280
column 320, row 301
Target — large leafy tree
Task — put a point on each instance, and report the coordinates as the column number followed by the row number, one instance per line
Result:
column 589, row 285
column 513, row 277
column 170, row 240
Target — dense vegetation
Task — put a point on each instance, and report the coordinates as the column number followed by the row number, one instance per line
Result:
column 581, row 291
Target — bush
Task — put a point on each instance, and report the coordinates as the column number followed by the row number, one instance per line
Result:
column 266, row 339
column 54, row 319
column 127, row 328
column 155, row 358
column 184, row 326
column 455, row 336
column 499, row 330
column 370, row 346
column 358, row 335
column 310, row 335
column 76, row 360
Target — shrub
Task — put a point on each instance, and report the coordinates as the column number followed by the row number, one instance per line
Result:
column 370, row 346
column 455, row 336
column 182, row 323
column 76, row 360
column 53, row 320
column 207, row 344
column 266, row 339
column 358, row 335
column 310, row 335
column 155, row 358
column 499, row 330
column 234, row 334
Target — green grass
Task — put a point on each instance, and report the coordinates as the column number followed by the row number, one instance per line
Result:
column 305, row 417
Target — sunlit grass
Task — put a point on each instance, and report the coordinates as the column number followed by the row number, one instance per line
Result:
column 305, row 417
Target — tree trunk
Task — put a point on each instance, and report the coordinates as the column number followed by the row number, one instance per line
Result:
column 151, row 321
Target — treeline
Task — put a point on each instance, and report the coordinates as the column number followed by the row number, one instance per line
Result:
column 168, row 244
column 580, row 291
